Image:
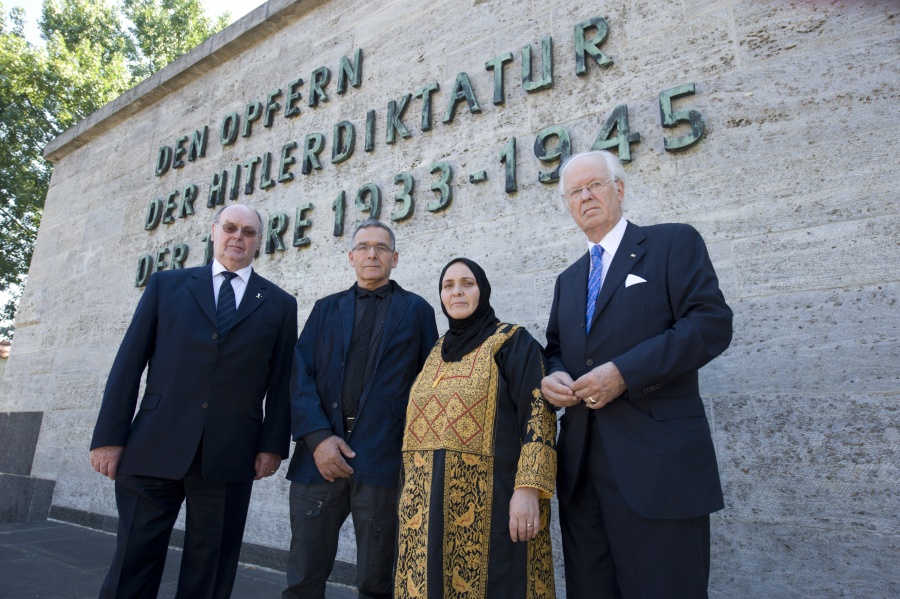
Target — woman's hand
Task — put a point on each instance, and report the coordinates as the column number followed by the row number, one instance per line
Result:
column 524, row 514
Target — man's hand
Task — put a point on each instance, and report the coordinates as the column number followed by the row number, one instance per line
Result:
column 557, row 389
column 266, row 464
column 105, row 460
column 524, row 514
column 329, row 456
column 599, row 386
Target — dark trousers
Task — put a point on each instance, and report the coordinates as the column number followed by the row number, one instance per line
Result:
column 214, row 529
column 612, row 552
column 317, row 513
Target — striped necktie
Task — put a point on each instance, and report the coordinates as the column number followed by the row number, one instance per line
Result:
column 226, row 308
column 594, row 284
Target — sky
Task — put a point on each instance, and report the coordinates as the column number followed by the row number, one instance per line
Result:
column 214, row 8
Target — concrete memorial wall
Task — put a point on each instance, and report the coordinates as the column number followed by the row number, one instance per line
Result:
column 769, row 125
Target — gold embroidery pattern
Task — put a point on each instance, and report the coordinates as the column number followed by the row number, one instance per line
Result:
column 537, row 462
column 412, row 574
column 454, row 408
column 541, row 581
column 467, row 520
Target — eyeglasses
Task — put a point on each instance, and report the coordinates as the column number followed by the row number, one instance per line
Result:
column 231, row 229
column 593, row 189
column 380, row 248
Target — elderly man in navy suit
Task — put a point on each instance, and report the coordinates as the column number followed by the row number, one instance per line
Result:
column 215, row 416
column 632, row 321
column 356, row 359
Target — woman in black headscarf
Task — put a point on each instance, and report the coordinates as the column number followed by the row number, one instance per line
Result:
column 479, row 457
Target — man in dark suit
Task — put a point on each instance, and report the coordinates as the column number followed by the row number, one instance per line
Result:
column 218, row 342
column 631, row 323
column 354, row 364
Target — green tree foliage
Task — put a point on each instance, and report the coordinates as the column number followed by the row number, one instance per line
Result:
column 93, row 52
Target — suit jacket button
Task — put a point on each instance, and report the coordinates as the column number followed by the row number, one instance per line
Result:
column 215, row 335
column 205, row 405
column 589, row 362
column 334, row 405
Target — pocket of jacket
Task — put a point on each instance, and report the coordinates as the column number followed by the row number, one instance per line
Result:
column 667, row 408
column 150, row 402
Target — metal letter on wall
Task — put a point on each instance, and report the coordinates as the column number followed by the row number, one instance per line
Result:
column 353, row 72
column 343, row 141
column 561, row 152
column 154, row 215
column 546, row 80
column 278, row 223
column 320, row 78
column 393, row 124
column 198, row 144
column 373, row 204
column 144, row 270
column 405, row 210
column 442, row 186
column 496, row 64
column 228, row 132
column 301, row 223
column 339, row 206
column 671, row 119
column 618, row 122
column 590, row 47
column 163, row 160
column 462, row 89
column 179, row 255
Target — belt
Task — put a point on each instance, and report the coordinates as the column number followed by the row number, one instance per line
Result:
column 349, row 421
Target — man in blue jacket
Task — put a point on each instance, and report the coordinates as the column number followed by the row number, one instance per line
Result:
column 354, row 363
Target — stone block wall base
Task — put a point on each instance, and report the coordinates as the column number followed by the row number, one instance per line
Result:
column 258, row 555
column 24, row 498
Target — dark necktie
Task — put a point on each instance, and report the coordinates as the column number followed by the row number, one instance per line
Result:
column 226, row 308
column 594, row 284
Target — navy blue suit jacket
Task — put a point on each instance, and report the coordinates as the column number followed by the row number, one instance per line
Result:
column 197, row 387
column 658, row 334
column 377, row 437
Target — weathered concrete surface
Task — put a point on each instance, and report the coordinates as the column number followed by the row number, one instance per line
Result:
column 793, row 187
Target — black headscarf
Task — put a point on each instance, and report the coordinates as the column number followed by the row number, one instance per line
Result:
column 467, row 333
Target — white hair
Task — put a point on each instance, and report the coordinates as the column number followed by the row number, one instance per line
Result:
column 612, row 163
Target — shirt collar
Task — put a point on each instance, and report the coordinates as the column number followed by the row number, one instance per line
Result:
column 380, row 292
column 243, row 273
column 610, row 242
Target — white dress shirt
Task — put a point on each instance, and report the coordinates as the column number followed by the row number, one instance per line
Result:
column 610, row 244
column 238, row 283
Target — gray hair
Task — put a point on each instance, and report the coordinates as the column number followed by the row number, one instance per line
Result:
column 613, row 165
column 371, row 222
column 221, row 209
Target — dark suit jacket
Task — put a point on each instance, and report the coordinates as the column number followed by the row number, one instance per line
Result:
column 409, row 334
column 197, row 387
column 658, row 334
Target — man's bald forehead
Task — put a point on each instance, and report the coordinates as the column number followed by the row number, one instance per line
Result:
column 242, row 208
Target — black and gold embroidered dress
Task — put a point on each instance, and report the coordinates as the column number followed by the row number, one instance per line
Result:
column 475, row 431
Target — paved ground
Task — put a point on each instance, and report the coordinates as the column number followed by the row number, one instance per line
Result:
column 52, row 560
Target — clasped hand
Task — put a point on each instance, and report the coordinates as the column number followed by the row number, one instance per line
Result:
column 595, row 388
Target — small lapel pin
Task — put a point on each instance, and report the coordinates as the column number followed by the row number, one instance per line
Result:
column 633, row 256
column 258, row 295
